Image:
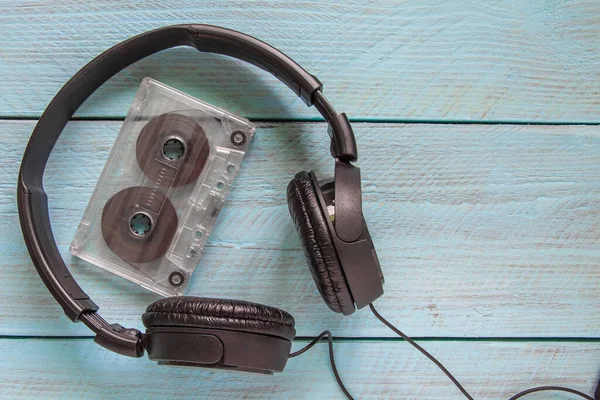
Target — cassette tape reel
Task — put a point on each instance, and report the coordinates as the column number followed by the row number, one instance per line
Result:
column 161, row 189
column 138, row 224
column 172, row 149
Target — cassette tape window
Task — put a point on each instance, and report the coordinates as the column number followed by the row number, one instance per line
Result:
column 165, row 180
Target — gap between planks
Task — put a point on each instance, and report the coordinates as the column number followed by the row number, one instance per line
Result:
column 353, row 120
column 348, row 339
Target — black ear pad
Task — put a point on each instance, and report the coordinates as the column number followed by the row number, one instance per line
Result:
column 234, row 315
column 317, row 243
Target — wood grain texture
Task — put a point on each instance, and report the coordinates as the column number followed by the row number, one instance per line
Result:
column 75, row 369
column 481, row 230
column 387, row 60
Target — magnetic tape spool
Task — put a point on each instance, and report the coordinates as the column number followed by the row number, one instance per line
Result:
column 138, row 224
column 172, row 150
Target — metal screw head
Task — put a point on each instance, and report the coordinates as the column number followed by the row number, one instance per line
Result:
column 238, row 138
column 176, row 279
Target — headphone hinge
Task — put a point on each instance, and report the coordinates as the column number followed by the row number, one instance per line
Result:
column 343, row 142
column 127, row 342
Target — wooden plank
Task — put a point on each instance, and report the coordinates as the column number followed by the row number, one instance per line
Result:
column 482, row 230
column 387, row 60
column 74, row 369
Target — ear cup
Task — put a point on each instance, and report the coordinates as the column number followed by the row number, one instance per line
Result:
column 234, row 315
column 317, row 243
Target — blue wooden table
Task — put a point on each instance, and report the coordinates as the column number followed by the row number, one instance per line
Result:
column 480, row 150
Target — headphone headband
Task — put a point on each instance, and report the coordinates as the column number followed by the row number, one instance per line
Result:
column 33, row 201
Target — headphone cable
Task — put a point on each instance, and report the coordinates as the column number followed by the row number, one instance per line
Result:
column 550, row 388
column 455, row 381
column 422, row 350
column 393, row 328
column 331, row 359
column 428, row 355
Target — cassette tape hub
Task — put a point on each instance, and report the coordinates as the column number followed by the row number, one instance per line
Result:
column 158, row 197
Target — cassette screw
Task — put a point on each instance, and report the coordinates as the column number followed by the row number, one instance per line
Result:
column 176, row 279
column 238, row 138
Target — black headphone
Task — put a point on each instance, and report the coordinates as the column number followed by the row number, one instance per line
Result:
column 195, row 331
column 222, row 333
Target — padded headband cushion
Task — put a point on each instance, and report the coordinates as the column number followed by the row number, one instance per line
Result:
column 235, row 315
column 318, row 245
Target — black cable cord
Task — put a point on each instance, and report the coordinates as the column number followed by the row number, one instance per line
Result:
column 331, row 359
column 422, row 350
column 550, row 388
column 455, row 381
column 426, row 354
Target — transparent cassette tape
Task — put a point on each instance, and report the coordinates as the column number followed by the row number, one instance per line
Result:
column 160, row 192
